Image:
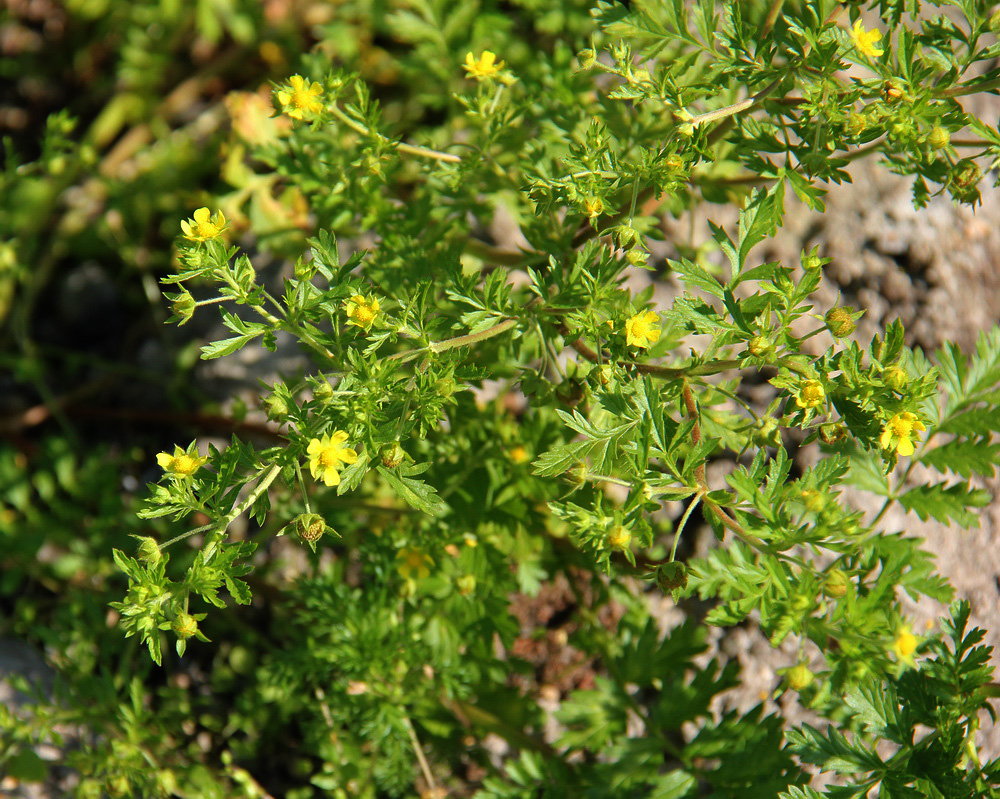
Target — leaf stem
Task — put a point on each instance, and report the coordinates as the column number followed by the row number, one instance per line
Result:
column 403, row 147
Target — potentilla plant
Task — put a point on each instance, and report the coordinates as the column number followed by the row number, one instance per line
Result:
column 490, row 418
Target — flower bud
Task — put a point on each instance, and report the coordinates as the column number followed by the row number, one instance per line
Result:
column 275, row 408
column 185, row 625
column 813, row 500
column 767, row 433
column 465, row 584
column 593, row 206
column 840, row 322
column 183, row 306
column 855, row 124
column 760, row 347
column 892, row 92
column 637, row 257
column 811, row 261
column 938, row 138
column 445, row 387
column 576, row 475
column 587, row 58
column 149, row 551
column 619, row 537
column 393, row 455
column 309, row 527
column 895, row 377
column 799, row 677
column 832, row 432
column 671, row 576
column 322, row 391
column 835, row 585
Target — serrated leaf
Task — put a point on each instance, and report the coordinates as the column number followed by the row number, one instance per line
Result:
column 877, row 708
column 416, row 493
column 220, row 349
column 558, row 459
column 239, row 590
column 691, row 274
column 964, row 458
column 946, row 503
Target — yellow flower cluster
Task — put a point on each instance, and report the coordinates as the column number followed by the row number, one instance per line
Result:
column 328, row 455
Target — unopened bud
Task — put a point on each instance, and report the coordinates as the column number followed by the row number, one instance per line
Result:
column 275, row 408
column 799, row 677
column 465, row 584
column 938, row 138
column 587, row 58
column 840, row 322
column 183, row 306
column 760, row 347
column 149, row 550
column 671, row 576
column 835, row 585
column 895, row 377
column 891, row 91
column 576, row 475
column 310, row 527
column 322, row 391
column 832, row 432
column 637, row 257
column 185, row 625
column 619, row 537
column 393, row 455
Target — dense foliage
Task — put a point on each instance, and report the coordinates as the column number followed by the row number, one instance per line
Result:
column 434, row 569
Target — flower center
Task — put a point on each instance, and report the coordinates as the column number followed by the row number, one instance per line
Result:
column 328, row 458
column 302, row 98
column 364, row 313
column 901, row 428
column 183, row 464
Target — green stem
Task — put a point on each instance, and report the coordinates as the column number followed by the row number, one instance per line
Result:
column 680, row 525
column 410, row 149
column 459, row 341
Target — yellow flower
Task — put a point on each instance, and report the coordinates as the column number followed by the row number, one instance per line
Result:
column 413, row 562
column 203, row 227
column 810, row 394
column 183, row 463
column 642, row 329
column 594, row 207
column 300, row 99
column 327, row 455
column 899, row 432
column 865, row 40
column 905, row 645
column 484, row 68
column 361, row 311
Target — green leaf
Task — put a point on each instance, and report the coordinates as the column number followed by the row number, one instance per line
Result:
column 963, row 457
column 416, row 493
column 877, row 708
column 946, row 502
column 220, row 349
column 691, row 274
